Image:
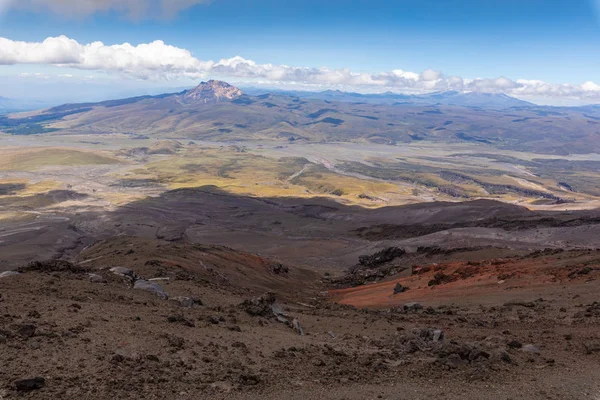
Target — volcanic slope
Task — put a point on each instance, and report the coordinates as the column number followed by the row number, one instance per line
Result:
column 218, row 111
column 222, row 324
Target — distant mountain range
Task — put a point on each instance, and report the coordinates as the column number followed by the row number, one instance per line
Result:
column 218, row 111
column 453, row 98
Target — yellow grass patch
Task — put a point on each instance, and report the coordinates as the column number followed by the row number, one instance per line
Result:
column 30, row 159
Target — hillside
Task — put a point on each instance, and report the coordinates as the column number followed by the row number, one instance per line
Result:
column 217, row 111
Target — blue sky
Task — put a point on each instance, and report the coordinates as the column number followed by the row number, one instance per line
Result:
column 554, row 41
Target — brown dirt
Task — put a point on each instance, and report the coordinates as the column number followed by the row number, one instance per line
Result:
column 107, row 340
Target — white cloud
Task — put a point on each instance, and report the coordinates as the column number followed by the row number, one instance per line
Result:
column 159, row 61
column 78, row 8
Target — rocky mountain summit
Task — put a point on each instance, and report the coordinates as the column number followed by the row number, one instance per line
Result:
column 212, row 92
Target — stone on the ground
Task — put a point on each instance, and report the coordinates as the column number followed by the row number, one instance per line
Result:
column 186, row 301
column 95, row 278
column 122, row 271
column 592, row 347
column 414, row 306
column 151, row 287
column 297, row 327
column 399, row 288
column 27, row 385
column 529, row 348
column 26, row 330
column 454, row 361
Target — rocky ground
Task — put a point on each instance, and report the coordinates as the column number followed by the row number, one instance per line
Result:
column 133, row 318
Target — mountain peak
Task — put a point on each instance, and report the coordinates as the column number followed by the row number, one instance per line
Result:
column 212, row 91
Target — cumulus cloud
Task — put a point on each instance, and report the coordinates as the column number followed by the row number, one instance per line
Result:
column 77, row 8
column 157, row 60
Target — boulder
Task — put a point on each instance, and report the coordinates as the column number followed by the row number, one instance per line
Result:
column 263, row 306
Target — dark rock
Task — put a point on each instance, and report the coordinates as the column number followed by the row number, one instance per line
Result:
column 399, row 288
column 52, row 266
column 381, row 257
column 117, row 359
column 27, row 385
column 414, row 306
column 454, row 361
column 279, row 268
column 180, row 319
column 26, row 330
column 261, row 306
column 526, row 304
column 477, row 354
column 186, row 301
column 249, row 379
column 440, row 278
column 591, row 348
column 430, row 311
column 175, row 341
column 318, row 362
column 583, row 271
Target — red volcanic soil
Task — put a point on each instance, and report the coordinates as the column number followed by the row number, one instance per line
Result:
column 485, row 282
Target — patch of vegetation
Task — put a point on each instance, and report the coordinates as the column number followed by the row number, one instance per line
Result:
column 136, row 183
column 30, row 129
column 329, row 120
column 7, row 189
column 468, row 138
column 31, row 159
column 9, row 123
column 319, row 113
column 244, row 101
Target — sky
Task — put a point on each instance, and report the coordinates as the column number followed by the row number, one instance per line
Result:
column 541, row 50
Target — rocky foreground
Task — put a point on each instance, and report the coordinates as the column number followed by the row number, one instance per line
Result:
column 131, row 318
